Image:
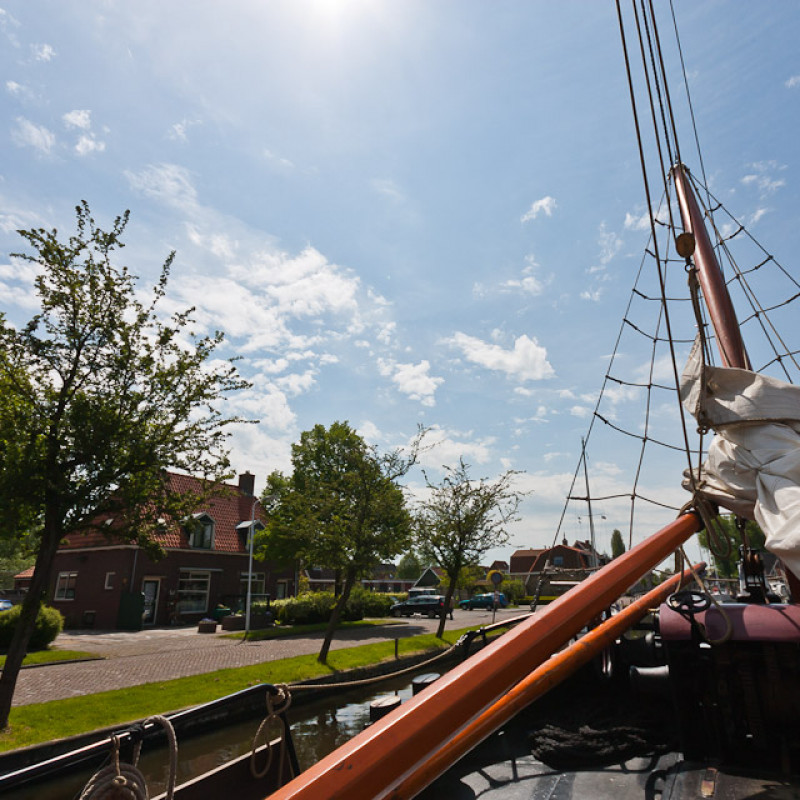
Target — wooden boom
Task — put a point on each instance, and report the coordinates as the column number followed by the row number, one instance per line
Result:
column 376, row 761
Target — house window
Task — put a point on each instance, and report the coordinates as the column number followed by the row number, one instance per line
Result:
column 65, row 586
column 193, row 592
column 558, row 561
column 256, row 587
column 201, row 532
column 109, row 584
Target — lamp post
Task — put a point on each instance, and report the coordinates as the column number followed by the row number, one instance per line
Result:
column 250, row 569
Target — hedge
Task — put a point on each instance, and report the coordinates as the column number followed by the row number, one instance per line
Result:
column 314, row 607
column 49, row 623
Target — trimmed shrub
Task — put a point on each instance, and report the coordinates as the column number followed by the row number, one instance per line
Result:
column 49, row 624
column 315, row 607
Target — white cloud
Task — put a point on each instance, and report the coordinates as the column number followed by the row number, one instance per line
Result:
column 43, row 52
column 413, row 380
column 88, row 144
column 26, row 134
column 17, row 89
column 388, row 188
column 546, row 206
column 277, row 162
column 762, row 177
column 445, row 447
column 178, row 131
column 527, row 361
column 168, row 183
column 793, row 82
column 79, row 118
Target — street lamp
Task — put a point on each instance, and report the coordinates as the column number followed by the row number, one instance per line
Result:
column 250, row 570
column 249, row 600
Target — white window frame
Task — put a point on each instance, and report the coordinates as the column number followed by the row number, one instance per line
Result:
column 65, row 586
column 192, row 596
column 258, row 585
column 109, row 584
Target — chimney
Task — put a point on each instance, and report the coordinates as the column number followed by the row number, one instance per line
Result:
column 247, row 484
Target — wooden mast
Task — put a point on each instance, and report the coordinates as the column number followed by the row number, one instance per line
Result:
column 718, row 301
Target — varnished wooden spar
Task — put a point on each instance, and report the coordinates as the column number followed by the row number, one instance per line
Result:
column 544, row 678
column 376, row 761
column 718, row 301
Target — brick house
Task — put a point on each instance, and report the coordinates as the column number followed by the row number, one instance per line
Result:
column 110, row 584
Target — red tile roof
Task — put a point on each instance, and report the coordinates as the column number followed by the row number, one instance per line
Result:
column 227, row 507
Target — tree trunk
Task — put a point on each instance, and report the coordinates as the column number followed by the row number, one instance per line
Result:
column 27, row 621
column 336, row 615
column 448, row 599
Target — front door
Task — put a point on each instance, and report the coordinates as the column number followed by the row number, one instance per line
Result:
column 150, row 590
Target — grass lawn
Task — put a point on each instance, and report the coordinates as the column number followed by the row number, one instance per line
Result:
column 42, row 722
column 51, row 656
column 279, row 631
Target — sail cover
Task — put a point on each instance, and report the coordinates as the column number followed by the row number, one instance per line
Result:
column 753, row 462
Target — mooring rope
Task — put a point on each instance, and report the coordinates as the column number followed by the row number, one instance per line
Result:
column 276, row 706
column 121, row 781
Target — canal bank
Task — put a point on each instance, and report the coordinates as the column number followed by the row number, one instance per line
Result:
column 162, row 654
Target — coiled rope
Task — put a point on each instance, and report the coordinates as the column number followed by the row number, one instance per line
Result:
column 277, row 705
column 121, row 781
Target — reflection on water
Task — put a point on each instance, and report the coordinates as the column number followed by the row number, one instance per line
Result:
column 317, row 729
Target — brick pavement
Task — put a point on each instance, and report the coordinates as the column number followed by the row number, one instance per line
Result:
column 133, row 658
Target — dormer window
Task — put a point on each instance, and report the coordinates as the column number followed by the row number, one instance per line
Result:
column 245, row 527
column 201, row 531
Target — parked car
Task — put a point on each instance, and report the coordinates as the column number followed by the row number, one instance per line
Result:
column 430, row 604
column 484, row 601
column 5, row 604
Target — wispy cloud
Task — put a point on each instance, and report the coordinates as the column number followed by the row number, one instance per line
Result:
column 27, row 134
column 793, row 82
column 546, row 206
column 167, row 183
column 179, row 131
column 526, row 361
column 762, row 177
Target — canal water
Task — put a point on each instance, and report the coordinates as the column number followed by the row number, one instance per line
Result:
column 318, row 728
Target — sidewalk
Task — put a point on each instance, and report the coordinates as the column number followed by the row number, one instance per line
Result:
column 133, row 658
column 130, row 658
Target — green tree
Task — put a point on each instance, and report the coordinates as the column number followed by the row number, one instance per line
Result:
column 724, row 544
column 462, row 520
column 617, row 545
column 409, row 567
column 341, row 508
column 100, row 395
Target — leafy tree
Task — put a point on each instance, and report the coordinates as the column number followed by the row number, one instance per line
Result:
column 98, row 397
column 617, row 545
column 725, row 544
column 462, row 520
column 341, row 508
column 409, row 567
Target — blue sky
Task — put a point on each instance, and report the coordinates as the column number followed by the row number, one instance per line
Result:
column 400, row 213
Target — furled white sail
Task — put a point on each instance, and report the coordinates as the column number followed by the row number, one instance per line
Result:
column 753, row 463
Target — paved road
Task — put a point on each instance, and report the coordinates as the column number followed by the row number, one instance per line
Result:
column 132, row 658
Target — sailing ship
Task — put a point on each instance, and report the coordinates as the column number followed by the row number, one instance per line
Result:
column 719, row 681
column 726, row 673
